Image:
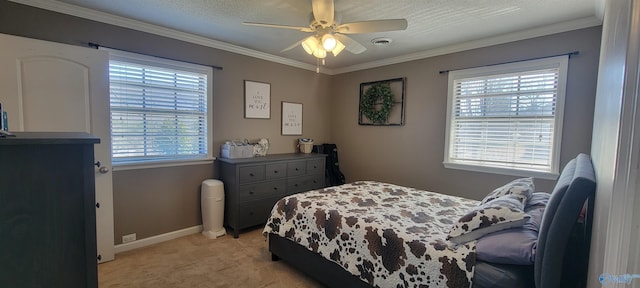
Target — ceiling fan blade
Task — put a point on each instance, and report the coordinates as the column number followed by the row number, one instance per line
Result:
column 299, row 28
column 295, row 45
column 372, row 26
column 351, row 45
column 323, row 12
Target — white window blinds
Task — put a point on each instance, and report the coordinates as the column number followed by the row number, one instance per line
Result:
column 507, row 117
column 158, row 112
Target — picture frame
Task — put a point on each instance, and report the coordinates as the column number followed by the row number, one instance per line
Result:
column 291, row 118
column 394, row 90
column 257, row 100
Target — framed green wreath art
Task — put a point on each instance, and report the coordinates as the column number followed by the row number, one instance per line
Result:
column 382, row 103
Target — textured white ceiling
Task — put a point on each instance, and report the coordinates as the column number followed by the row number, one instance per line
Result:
column 433, row 24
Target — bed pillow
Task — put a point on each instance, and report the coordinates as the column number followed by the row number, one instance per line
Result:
column 522, row 188
column 502, row 213
column 516, row 245
column 538, row 198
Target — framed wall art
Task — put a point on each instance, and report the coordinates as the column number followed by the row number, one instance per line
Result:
column 291, row 118
column 382, row 103
column 257, row 100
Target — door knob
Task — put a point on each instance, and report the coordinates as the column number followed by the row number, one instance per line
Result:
column 103, row 170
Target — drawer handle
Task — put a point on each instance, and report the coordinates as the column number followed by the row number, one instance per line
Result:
column 275, row 188
column 314, row 166
column 296, row 185
column 251, row 174
column 297, row 169
column 251, row 192
column 275, row 172
column 314, row 181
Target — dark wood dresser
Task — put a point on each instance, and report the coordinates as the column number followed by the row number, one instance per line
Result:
column 253, row 185
column 47, row 210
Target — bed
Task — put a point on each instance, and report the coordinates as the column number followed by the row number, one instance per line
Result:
column 373, row 234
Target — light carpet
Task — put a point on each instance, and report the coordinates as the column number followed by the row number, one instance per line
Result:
column 195, row 261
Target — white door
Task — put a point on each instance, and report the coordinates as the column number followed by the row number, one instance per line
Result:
column 46, row 86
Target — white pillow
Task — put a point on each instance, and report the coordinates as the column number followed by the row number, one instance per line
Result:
column 522, row 188
column 504, row 212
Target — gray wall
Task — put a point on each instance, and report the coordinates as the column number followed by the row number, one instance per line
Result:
column 150, row 202
column 155, row 201
column 412, row 154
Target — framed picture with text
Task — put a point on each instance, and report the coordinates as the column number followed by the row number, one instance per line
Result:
column 257, row 100
column 291, row 118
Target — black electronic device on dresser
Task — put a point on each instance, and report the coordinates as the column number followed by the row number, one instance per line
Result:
column 47, row 210
column 253, row 185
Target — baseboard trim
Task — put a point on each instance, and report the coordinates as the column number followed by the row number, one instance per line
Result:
column 157, row 239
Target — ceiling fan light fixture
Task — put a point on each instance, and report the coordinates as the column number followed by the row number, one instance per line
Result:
column 328, row 42
column 339, row 47
column 319, row 52
column 310, row 45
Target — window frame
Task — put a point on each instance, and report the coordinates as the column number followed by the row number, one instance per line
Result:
column 123, row 56
column 559, row 62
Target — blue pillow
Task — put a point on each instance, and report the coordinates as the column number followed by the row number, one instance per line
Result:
column 515, row 245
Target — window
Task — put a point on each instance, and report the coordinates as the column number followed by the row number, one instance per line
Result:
column 507, row 118
column 159, row 109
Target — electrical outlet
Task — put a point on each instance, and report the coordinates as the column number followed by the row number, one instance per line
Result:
column 128, row 238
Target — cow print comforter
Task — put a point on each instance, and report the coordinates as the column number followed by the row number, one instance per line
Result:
column 388, row 235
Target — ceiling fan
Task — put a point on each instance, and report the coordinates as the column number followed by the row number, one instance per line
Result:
column 329, row 35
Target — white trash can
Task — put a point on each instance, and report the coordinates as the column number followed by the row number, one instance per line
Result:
column 212, row 198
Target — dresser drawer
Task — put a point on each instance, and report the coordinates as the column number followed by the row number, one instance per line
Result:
column 251, row 173
column 275, row 171
column 260, row 190
column 304, row 183
column 315, row 166
column 295, row 168
column 255, row 212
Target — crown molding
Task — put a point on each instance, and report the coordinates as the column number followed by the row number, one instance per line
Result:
column 107, row 18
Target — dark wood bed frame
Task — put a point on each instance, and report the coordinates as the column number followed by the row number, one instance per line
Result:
column 573, row 263
column 327, row 272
